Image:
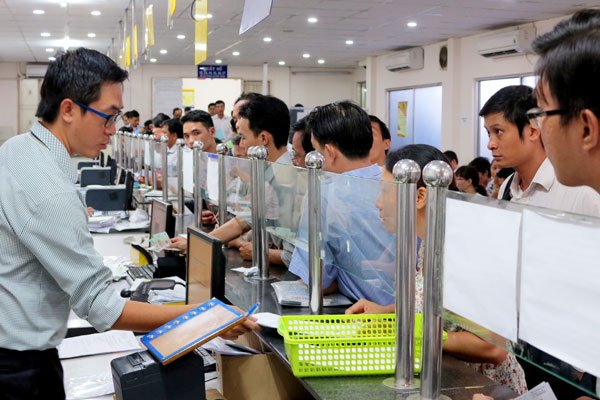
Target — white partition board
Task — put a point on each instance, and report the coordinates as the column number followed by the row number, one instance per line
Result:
column 560, row 289
column 188, row 170
column 480, row 265
column 212, row 176
column 146, row 153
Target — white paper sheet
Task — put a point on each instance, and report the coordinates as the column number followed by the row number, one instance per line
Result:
column 188, row 170
column 480, row 265
column 98, row 343
column 212, row 177
column 560, row 290
column 146, row 153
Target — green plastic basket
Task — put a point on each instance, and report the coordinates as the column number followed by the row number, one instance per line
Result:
column 336, row 345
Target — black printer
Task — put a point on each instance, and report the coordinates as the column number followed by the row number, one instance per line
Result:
column 139, row 376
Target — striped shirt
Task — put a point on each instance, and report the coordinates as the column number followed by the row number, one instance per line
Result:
column 48, row 264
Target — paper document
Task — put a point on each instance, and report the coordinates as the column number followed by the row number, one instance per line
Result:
column 543, row 391
column 98, row 343
column 295, row 294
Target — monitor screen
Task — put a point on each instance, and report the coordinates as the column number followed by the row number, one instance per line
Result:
column 205, row 268
column 162, row 219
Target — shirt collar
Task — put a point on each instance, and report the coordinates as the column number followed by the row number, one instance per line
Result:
column 543, row 177
column 45, row 138
column 373, row 171
column 284, row 159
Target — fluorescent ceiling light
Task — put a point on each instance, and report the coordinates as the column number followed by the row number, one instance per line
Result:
column 39, row 12
column 312, row 20
column 218, row 61
column 267, row 39
column 349, row 42
column 152, row 60
column 281, row 62
column 96, row 13
column 306, row 55
column 180, row 37
column 411, row 24
column 49, row 50
column 321, row 61
column 91, row 35
column 163, row 51
column 236, row 53
column 45, row 34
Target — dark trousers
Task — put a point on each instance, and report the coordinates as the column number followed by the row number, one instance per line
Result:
column 31, row 375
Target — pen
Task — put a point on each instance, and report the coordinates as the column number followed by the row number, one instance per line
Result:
column 253, row 309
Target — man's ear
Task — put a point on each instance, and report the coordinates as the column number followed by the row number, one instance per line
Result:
column 421, row 197
column 590, row 130
column 66, row 110
column 386, row 144
column 211, row 131
column 331, row 152
column 265, row 138
column 532, row 133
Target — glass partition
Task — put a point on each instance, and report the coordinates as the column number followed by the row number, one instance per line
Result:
column 238, row 186
column 525, row 279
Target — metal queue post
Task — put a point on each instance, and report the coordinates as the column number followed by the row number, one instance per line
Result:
column 140, row 152
column 197, row 148
column 153, row 142
column 165, row 168
column 180, row 143
column 407, row 174
column 437, row 176
column 222, row 151
column 314, row 162
column 149, row 139
column 260, row 250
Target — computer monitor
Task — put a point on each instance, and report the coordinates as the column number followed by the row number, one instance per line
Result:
column 205, row 268
column 162, row 219
column 94, row 176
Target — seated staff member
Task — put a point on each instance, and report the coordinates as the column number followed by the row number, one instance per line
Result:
column 515, row 143
column 49, row 265
column 492, row 361
column 342, row 133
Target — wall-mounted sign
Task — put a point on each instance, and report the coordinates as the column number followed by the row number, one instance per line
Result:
column 212, row 71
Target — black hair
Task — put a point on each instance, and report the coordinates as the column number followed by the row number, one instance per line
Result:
column 267, row 113
column 570, row 63
column 513, row 102
column 305, row 142
column 298, row 105
column 219, row 102
column 422, row 154
column 188, row 108
column 159, row 120
column 505, row 172
column 236, row 140
column 233, row 124
column 469, row 172
column 482, row 165
column 147, row 123
column 211, row 105
column 175, row 109
column 77, row 75
column 385, row 132
column 344, row 125
column 198, row 116
column 451, row 155
column 247, row 96
column 134, row 114
column 174, row 126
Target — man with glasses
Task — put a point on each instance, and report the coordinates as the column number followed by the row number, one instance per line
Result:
column 515, row 143
column 301, row 144
column 49, row 265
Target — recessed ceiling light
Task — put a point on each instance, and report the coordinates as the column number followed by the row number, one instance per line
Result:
column 91, row 35
column 267, row 39
column 306, row 55
column 321, row 61
column 218, row 61
column 52, row 58
column 209, row 16
column 45, row 34
column 281, row 62
column 153, row 60
column 349, row 42
column 236, row 53
column 39, row 12
column 312, row 20
column 49, row 50
column 163, row 51
column 96, row 13
column 202, row 16
column 411, row 24
column 63, row 4
column 180, row 37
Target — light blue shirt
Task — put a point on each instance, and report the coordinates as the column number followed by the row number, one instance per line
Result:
column 353, row 237
column 48, row 264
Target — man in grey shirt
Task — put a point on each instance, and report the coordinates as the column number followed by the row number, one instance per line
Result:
column 49, row 265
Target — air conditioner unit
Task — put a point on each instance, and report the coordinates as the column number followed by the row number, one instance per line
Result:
column 513, row 41
column 36, row 70
column 405, row 60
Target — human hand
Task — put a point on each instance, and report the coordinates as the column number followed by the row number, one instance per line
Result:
column 368, row 307
column 178, row 243
column 246, row 250
column 480, row 396
column 90, row 211
column 248, row 325
column 208, row 217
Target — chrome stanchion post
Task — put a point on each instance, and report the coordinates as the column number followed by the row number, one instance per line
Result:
column 198, row 146
column 165, row 167
column 260, row 249
column 222, row 152
column 153, row 142
column 180, row 143
column 130, row 152
column 126, row 139
column 407, row 174
column 437, row 176
column 314, row 162
column 140, row 153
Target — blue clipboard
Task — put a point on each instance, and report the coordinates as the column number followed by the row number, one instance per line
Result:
column 192, row 329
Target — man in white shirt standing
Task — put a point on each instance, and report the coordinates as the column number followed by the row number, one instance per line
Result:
column 221, row 122
column 515, row 143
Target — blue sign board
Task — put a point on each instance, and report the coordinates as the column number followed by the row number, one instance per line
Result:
column 212, row 71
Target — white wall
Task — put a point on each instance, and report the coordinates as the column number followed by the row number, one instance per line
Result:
column 465, row 68
column 210, row 90
column 9, row 101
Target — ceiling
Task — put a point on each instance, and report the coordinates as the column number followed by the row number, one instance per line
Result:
column 375, row 26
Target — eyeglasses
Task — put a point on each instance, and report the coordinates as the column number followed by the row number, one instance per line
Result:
column 109, row 120
column 536, row 115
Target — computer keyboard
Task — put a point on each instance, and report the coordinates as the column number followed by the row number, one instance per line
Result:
column 210, row 364
column 141, row 272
